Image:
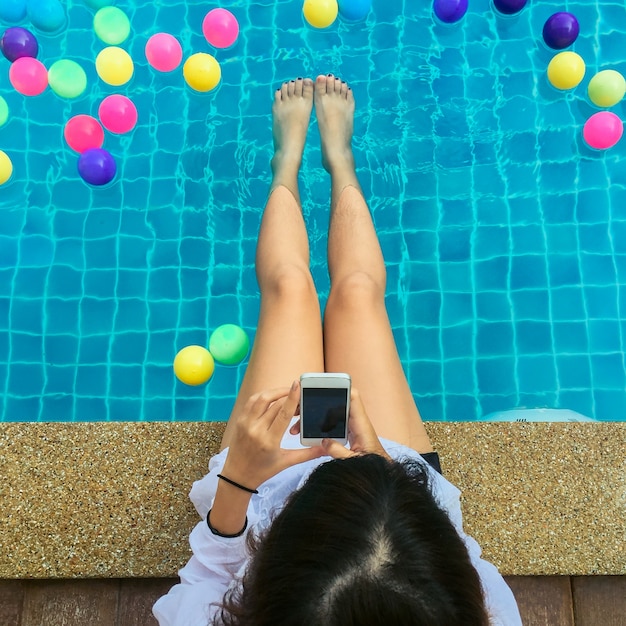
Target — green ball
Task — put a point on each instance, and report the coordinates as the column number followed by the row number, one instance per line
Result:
column 229, row 344
column 67, row 79
column 606, row 88
column 111, row 25
column 4, row 111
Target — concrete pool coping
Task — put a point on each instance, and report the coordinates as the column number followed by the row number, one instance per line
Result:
column 109, row 500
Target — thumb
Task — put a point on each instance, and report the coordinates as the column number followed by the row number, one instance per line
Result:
column 335, row 449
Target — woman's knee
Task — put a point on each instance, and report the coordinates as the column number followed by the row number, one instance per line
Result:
column 290, row 282
column 357, row 289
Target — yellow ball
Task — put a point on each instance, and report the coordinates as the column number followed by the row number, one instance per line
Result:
column 6, row 167
column 566, row 70
column 194, row 365
column 114, row 66
column 606, row 88
column 202, row 72
column 320, row 13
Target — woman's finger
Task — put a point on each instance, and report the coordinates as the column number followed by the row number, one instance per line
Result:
column 286, row 411
column 335, row 449
column 295, row 429
column 260, row 402
column 293, row 457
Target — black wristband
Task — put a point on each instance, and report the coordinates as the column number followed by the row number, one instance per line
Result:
column 219, row 534
column 234, row 484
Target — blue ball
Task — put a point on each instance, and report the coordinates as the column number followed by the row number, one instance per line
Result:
column 97, row 166
column 354, row 10
column 450, row 11
column 46, row 15
column 12, row 11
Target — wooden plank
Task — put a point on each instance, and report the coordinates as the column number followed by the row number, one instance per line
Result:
column 70, row 603
column 543, row 600
column 599, row 600
column 137, row 596
column 11, row 601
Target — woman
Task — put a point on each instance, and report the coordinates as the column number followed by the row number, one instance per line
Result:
column 328, row 535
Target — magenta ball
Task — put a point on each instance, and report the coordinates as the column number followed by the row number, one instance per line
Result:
column 28, row 76
column 509, row 7
column 560, row 30
column 450, row 11
column 603, row 130
column 83, row 132
column 118, row 114
column 220, row 28
column 96, row 166
column 163, row 52
column 17, row 43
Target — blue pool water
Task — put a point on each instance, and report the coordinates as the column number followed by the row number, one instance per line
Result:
column 505, row 236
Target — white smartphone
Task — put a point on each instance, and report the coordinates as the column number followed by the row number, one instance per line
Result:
column 324, row 407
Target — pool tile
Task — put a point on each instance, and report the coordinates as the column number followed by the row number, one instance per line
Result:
column 501, row 234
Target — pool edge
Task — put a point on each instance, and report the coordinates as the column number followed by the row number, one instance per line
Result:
column 109, row 500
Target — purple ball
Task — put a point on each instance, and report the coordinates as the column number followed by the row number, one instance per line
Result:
column 509, row 7
column 18, row 42
column 560, row 30
column 450, row 11
column 96, row 166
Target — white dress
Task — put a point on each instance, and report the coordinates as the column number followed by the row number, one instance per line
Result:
column 217, row 563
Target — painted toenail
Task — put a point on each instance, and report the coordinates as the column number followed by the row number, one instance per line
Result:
column 328, row 74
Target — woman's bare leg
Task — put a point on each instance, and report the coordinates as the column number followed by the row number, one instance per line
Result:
column 357, row 333
column 289, row 333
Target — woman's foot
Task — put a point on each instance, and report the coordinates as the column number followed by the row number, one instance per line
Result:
column 334, row 108
column 291, row 112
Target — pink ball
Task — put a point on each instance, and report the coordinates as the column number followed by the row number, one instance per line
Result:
column 28, row 76
column 83, row 132
column 603, row 130
column 164, row 52
column 118, row 114
column 220, row 28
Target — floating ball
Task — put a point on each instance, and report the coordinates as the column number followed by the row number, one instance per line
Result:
column 114, row 66
column 220, row 28
column 6, row 167
column 12, row 11
column 96, row 166
column 450, row 11
column 111, row 25
column 18, row 42
column 229, row 344
column 193, row 365
column 354, row 10
column 46, row 15
column 4, row 111
column 83, row 132
column 320, row 13
column 164, row 52
column 603, row 130
column 606, row 88
column 118, row 114
column 28, row 76
column 566, row 70
column 67, row 79
column 202, row 72
column 509, row 7
column 560, row 30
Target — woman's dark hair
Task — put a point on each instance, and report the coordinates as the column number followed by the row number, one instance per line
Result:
column 362, row 542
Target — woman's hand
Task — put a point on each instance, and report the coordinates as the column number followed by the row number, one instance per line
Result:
column 254, row 454
column 361, row 434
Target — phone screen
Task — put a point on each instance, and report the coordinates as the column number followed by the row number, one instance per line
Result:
column 324, row 413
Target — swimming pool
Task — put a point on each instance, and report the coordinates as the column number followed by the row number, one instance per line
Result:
column 505, row 236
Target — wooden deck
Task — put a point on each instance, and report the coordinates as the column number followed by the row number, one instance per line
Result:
column 543, row 601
